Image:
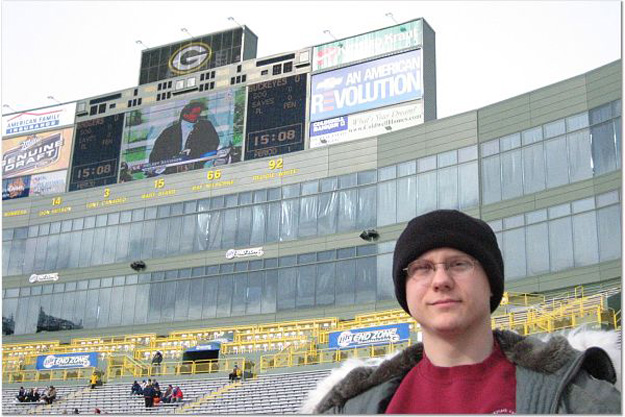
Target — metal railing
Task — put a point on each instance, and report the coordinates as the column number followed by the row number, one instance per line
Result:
column 33, row 375
column 131, row 367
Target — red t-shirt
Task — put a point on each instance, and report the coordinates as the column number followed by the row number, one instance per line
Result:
column 488, row 387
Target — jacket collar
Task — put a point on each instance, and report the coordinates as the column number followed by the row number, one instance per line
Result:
column 547, row 357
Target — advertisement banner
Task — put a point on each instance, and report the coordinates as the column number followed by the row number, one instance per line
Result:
column 38, row 153
column 367, row 45
column 381, row 335
column 48, row 183
column 383, row 82
column 96, row 152
column 367, row 124
column 276, row 111
column 36, row 120
column 184, row 135
column 17, row 187
column 67, row 361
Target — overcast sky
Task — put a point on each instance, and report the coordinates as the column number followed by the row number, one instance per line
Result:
column 485, row 51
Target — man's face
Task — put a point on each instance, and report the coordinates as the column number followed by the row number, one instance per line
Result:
column 448, row 304
column 193, row 115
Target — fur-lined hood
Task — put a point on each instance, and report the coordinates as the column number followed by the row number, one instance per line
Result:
column 548, row 356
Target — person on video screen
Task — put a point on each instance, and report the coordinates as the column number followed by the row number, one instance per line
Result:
column 191, row 137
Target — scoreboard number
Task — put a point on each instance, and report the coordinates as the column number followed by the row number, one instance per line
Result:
column 213, row 175
column 159, row 183
column 107, row 192
column 57, row 201
column 276, row 164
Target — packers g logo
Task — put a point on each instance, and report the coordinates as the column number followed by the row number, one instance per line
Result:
column 190, row 57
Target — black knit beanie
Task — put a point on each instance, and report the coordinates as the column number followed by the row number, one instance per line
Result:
column 448, row 229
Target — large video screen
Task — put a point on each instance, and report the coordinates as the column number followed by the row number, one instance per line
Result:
column 197, row 54
column 96, row 152
column 276, row 111
column 184, row 135
column 382, row 82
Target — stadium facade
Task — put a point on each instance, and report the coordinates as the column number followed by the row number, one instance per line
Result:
column 324, row 154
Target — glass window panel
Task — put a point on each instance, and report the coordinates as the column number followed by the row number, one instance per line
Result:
column 600, row 114
column 387, row 203
column 305, row 296
column 496, row 225
column 30, row 250
column 291, row 190
column 532, row 135
column 47, row 289
column 557, row 162
column 128, row 305
column 7, row 234
column 269, row 301
column 609, row 228
column 554, row 129
column 585, row 239
column 155, row 302
column 447, row 158
column 123, row 241
column 141, row 303
column 52, row 253
column 559, row 211
column 56, row 227
column 387, row 173
column 324, row 294
column 561, row 244
column 73, row 260
column 616, row 108
column 115, row 314
column 607, row 199
column 310, row 187
column 367, row 209
column 580, row 155
column 230, row 220
column 150, row 213
column 345, row 285
column 204, row 205
column 328, row 212
column 224, row 268
column 99, row 222
column 244, row 229
column 274, row 194
column 254, row 294
column 533, row 168
column 617, row 135
column 110, row 244
column 468, row 185
column 209, row 306
column 365, row 281
column 288, row 220
column 256, row 265
column 182, row 293
column 131, row 279
column 367, row 177
column 125, row 217
column 190, row 207
column 491, row 180
column 188, row 235
column 212, row 234
column 232, row 200
column 163, row 211
column 577, row 121
column 113, row 218
column 511, row 175
column 406, row 198
column 224, row 296
column 583, row 205
column 196, row 289
column 348, row 201
column 308, row 216
column 537, row 244
column 329, row 184
column 514, row 253
column 510, row 142
column 490, row 148
column 241, row 266
column 467, row 154
column 97, row 248
column 384, row 284
column 6, row 252
column 273, row 222
column 407, row 168
column 426, row 192
column 176, row 209
column 260, row 196
column 104, row 307
column 135, row 246
column 259, row 220
column 348, row 180
column 427, row 163
column 138, row 215
column 32, row 231
column 603, row 148
column 22, row 232
column 514, row 221
column 287, row 280
column 448, row 188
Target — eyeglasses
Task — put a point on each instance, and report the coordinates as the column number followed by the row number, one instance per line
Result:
column 457, row 268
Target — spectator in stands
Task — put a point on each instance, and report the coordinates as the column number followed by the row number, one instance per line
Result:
column 21, row 395
column 235, row 374
column 448, row 273
column 93, row 380
column 136, row 389
column 97, row 411
column 33, row 396
column 148, row 395
column 50, row 395
column 178, row 396
column 156, row 385
column 75, row 411
column 156, row 363
column 169, row 392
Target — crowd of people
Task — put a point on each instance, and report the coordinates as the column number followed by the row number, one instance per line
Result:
column 152, row 394
column 33, row 396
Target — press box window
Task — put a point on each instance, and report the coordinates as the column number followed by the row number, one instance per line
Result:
column 277, row 69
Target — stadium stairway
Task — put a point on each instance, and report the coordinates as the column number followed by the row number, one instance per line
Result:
column 268, row 394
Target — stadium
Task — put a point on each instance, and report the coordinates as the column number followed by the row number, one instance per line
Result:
column 268, row 243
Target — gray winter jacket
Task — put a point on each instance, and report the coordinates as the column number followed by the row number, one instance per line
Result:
column 552, row 377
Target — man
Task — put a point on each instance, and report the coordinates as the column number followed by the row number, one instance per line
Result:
column 93, row 380
column 191, row 137
column 156, row 362
column 235, row 374
column 21, row 395
column 449, row 276
column 148, row 395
